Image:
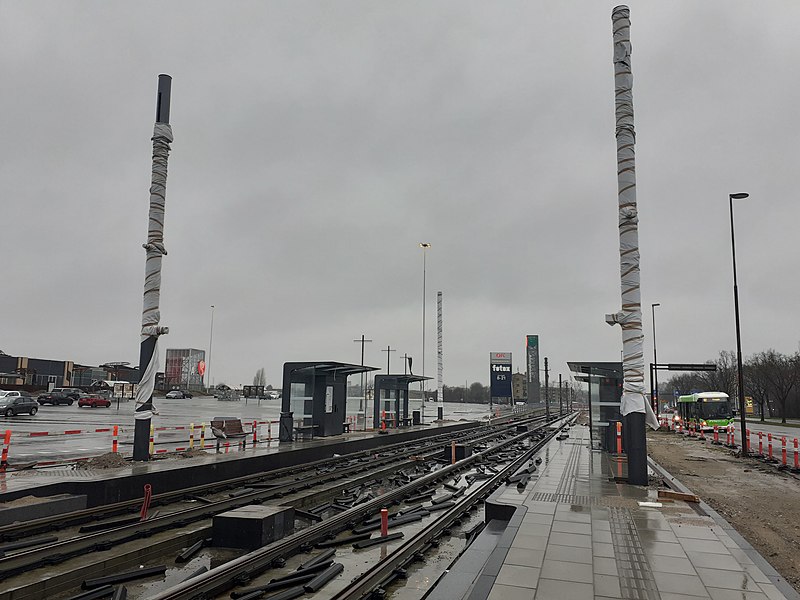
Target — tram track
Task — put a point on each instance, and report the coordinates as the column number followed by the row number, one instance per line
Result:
column 327, row 471
column 245, row 568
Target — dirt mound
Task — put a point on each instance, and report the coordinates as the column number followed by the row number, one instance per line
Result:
column 192, row 453
column 109, row 460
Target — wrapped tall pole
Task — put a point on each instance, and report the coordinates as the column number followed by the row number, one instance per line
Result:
column 633, row 406
column 439, row 366
column 151, row 316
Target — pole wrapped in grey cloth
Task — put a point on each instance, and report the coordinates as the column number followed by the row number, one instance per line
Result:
column 151, row 316
column 630, row 317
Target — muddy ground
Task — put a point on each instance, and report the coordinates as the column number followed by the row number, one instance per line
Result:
column 763, row 504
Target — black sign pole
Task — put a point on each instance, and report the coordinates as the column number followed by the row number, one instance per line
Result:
column 546, row 390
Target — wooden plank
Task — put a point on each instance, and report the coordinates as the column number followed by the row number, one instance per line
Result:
column 678, row 496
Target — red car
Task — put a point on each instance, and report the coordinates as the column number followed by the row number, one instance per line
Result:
column 93, row 401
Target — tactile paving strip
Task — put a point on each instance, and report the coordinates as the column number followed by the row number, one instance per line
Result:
column 636, row 580
column 605, row 501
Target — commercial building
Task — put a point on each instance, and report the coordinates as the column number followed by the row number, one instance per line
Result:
column 519, row 387
column 184, row 368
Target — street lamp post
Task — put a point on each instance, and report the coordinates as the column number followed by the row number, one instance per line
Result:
column 739, row 373
column 655, row 399
column 210, row 340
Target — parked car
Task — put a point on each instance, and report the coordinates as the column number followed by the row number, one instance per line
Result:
column 59, row 396
column 15, row 405
column 179, row 394
column 6, row 394
column 94, row 401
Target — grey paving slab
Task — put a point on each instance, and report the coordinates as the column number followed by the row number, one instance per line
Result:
column 510, row 592
column 518, row 576
column 723, row 594
column 719, row 578
column 605, row 566
column 525, row 557
column 569, row 554
column 554, row 589
column 664, row 549
column 688, row 585
column 571, row 539
column 530, row 542
column 710, row 546
column 607, row 585
column 672, row 564
column 527, row 528
column 570, row 527
column 540, row 518
column 566, row 571
column 715, row 561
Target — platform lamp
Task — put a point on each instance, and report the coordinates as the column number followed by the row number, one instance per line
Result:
column 655, row 399
column 739, row 371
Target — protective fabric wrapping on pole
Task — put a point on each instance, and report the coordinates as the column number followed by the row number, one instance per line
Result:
column 151, row 316
column 630, row 317
column 155, row 250
column 439, row 381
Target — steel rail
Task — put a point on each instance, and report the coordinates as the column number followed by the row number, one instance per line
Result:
column 17, row 531
column 221, row 578
column 54, row 553
column 369, row 581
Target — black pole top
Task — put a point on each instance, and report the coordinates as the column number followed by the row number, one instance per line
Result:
column 162, row 102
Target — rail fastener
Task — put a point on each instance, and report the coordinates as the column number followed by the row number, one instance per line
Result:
column 110, row 580
column 189, row 552
column 378, row 540
column 327, row 575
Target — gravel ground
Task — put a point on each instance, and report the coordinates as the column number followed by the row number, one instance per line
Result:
column 763, row 504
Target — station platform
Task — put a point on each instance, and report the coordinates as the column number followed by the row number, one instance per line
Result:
column 166, row 473
column 574, row 533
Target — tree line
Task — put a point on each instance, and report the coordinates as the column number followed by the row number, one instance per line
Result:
column 771, row 379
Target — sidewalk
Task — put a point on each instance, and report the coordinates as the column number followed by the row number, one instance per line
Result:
column 578, row 535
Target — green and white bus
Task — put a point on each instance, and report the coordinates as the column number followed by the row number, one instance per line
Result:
column 705, row 410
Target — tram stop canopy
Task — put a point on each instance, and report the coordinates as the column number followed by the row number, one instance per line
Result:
column 605, row 392
column 316, row 392
column 391, row 399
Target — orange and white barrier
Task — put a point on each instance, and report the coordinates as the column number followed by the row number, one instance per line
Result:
column 6, row 444
column 114, row 447
column 769, row 446
column 619, row 437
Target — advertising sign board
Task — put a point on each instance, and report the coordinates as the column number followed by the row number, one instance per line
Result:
column 532, row 353
column 500, row 374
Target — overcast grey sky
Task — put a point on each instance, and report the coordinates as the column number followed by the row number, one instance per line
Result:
column 317, row 143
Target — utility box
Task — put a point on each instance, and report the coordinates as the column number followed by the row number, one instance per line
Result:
column 416, row 417
column 251, row 527
column 285, row 427
column 462, row 451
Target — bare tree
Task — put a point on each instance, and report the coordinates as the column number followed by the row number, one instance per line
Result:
column 781, row 373
column 757, row 383
column 724, row 378
column 260, row 378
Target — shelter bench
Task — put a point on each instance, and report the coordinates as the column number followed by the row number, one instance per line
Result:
column 305, row 431
column 228, row 428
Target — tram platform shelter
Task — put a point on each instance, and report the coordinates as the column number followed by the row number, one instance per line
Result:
column 391, row 400
column 314, row 397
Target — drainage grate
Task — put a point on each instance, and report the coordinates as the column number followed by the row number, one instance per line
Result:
column 636, row 580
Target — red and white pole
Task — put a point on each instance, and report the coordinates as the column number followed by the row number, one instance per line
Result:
column 619, row 437
column 384, row 522
column 255, row 433
column 701, row 435
column 796, row 457
column 114, row 439
column 716, row 434
column 769, row 445
column 783, row 450
column 748, row 441
column 761, row 443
